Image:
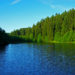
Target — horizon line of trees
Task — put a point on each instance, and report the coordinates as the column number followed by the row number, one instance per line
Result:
column 58, row 28
column 7, row 39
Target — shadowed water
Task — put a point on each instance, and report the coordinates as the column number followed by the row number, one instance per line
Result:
column 37, row 59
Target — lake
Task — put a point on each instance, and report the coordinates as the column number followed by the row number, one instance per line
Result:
column 37, row 59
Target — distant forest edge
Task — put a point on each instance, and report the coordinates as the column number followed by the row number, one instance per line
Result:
column 58, row 28
column 6, row 38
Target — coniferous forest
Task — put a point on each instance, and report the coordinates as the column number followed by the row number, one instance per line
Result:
column 59, row 28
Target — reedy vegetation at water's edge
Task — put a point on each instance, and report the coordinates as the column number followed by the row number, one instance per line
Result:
column 56, row 29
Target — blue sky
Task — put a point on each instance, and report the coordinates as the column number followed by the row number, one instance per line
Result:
column 16, row 14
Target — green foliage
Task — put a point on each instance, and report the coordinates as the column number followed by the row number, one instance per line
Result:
column 46, row 39
column 67, row 37
column 57, row 37
column 39, row 39
column 3, row 37
column 58, row 28
column 73, row 36
column 31, row 36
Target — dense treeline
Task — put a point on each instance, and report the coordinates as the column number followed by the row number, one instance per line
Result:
column 6, row 38
column 3, row 37
column 58, row 28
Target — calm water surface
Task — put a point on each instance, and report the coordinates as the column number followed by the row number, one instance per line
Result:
column 37, row 59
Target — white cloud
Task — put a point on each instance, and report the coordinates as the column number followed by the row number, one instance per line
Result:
column 15, row 2
column 59, row 5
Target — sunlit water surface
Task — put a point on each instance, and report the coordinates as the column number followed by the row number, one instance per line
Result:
column 37, row 59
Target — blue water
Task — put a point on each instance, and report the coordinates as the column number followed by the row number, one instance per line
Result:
column 37, row 59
